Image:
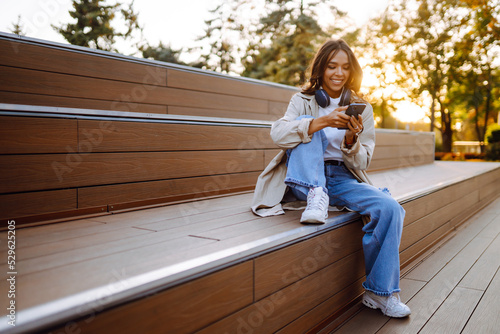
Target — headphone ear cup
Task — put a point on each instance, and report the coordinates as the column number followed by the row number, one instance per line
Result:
column 345, row 97
column 322, row 98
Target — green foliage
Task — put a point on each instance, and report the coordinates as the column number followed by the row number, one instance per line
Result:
column 17, row 28
column 494, row 135
column 162, row 53
column 288, row 37
column 94, row 24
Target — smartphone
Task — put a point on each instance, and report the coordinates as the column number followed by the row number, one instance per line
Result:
column 354, row 109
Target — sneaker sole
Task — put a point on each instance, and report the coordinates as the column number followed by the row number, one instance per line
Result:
column 312, row 222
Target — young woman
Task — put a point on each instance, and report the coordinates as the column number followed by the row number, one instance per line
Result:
column 324, row 158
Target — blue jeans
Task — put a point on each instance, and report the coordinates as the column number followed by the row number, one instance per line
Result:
column 306, row 169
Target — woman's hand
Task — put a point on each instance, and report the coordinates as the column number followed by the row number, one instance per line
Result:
column 336, row 119
column 354, row 128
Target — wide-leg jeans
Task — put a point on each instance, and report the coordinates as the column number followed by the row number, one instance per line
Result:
column 306, row 169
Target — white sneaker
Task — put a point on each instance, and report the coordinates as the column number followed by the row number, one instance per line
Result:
column 391, row 306
column 316, row 211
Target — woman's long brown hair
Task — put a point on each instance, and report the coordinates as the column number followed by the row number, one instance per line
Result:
column 318, row 66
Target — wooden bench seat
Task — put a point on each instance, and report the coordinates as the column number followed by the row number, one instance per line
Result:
column 200, row 250
column 130, row 183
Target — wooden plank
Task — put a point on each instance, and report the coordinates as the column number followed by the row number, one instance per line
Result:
column 283, row 267
column 378, row 164
column 179, row 310
column 36, row 203
column 422, row 139
column 221, row 85
column 436, row 261
column 80, row 103
column 277, row 110
column 275, row 311
column 51, row 171
column 269, row 155
column 308, row 321
column 167, row 190
column 412, row 153
column 453, row 314
column 421, row 207
column 147, row 137
column 369, row 321
column 481, row 274
column 485, row 317
column 428, row 300
column 19, row 54
column 258, row 114
column 417, row 230
column 22, row 135
column 47, row 83
column 412, row 252
column 63, row 281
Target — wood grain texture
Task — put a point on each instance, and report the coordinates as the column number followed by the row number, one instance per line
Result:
column 41, row 172
column 182, row 309
column 64, row 85
column 277, row 310
column 80, row 103
column 22, row 135
column 207, row 112
column 485, row 317
column 417, row 230
column 148, row 137
column 49, row 59
column 219, row 85
column 435, row 292
column 166, row 190
column 35, row 203
column 284, row 267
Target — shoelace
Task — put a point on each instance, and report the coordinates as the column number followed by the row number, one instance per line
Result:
column 394, row 301
column 315, row 201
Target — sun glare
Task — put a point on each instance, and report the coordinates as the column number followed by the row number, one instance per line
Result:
column 409, row 112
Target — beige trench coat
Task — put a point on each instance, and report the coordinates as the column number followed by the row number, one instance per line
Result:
column 287, row 133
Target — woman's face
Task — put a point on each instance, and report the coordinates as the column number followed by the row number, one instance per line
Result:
column 336, row 74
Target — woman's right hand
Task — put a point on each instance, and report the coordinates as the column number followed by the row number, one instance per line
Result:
column 336, row 119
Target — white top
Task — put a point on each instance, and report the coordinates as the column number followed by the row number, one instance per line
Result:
column 333, row 135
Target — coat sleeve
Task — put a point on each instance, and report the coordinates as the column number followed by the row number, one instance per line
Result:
column 288, row 132
column 360, row 154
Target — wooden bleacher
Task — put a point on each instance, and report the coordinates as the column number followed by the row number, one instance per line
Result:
column 130, row 182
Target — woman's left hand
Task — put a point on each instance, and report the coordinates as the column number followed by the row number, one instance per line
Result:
column 354, row 128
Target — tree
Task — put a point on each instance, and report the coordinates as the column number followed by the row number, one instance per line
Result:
column 287, row 40
column 475, row 71
column 17, row 28
column 220, row 33
column 162, row 53
column 94, row 24
column 424, row 32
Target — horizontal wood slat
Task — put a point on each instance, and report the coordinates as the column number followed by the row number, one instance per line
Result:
column 47, row 83
column 215, row 84
column 74, row 102
column 284, row 267
column 206, row 112
column 36, row 203
column 167, row 191
column 138, row 136
column 48, row 59
column 52, row 171
column 183, row 309
column 21, row 135
column 275, row 311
